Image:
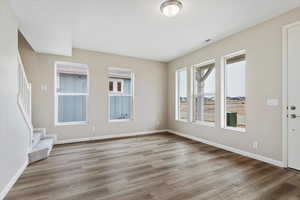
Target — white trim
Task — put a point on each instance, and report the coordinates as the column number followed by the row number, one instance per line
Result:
column 205, row 63
column 116, row 75
column 13, row 180
column 235, row 53
column 105, row 137
column 120, row 69
column 71, row 123
column 182, row 120
column 24, row 115
column 191, row 94
column 285, row 91
column 204, row 123
column 231, row 149
column 120, row 120
column 71, row 64
column 236, row 129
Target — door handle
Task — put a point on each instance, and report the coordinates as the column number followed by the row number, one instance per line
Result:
column 294, row 116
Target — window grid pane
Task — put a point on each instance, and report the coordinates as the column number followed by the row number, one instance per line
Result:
column 120, row 107
column 121, row 99
column 72, row 83
column 182, row 95
column 204, row 94
column 72, row 108
column 235, row 95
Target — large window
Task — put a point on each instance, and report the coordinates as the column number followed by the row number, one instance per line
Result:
column 120, row 89
column 182, row 107
column 71, row 93
column 204, row 93
column 235, row 91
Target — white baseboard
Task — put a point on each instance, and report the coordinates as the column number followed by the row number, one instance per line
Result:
column 13, row 180
column 231, row 149
column 105, row 137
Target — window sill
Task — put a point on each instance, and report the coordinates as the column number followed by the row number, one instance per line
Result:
column 239, row 130
column 208, row 124
column 72, row 123
column 181, row 120
column 120, row 120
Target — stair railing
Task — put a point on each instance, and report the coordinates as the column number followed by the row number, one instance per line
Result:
column 24, row 96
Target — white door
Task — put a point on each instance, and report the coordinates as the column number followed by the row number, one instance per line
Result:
column 293, row 58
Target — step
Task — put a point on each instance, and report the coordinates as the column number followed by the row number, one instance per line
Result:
column 37, row 136
column 41, row 150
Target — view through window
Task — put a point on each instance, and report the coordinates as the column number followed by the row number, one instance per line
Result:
column 204, row 93
column 71, row 93
column 120, row 94
column 235, row 91
column 182, row 100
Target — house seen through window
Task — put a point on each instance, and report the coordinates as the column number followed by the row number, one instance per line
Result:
column 120, row 94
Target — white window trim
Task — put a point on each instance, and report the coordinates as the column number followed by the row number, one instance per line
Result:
column 223, row 93
column 202, row 64
column 118, row 93
column 177, row 117
column 56, row 94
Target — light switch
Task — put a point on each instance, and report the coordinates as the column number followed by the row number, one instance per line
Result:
column 44, row 87
column 272, row 102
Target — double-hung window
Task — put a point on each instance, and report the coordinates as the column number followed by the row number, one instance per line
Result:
column 120, row 89
column 182, row 106
column 71, row 93
column 234, row 106
column 204, row 93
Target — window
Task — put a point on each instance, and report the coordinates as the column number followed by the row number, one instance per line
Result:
column 120, row 94
column 235, row 91
column 182, row 108
column 204, row 93
column 71, row 93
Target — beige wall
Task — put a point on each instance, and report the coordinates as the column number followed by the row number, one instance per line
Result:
column 14, row 134
column 263, row 44
column 150, row 93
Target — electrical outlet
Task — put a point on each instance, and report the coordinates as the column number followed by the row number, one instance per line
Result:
column 255, row 145
column 157, row 123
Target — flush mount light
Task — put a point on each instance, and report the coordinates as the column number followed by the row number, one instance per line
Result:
column 170, row 8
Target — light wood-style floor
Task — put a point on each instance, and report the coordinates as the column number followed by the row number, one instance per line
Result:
column 156, row 167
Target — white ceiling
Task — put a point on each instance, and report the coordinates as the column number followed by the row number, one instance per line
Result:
column 136, row 27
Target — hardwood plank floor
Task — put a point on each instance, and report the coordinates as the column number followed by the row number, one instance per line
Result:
column 156, row 167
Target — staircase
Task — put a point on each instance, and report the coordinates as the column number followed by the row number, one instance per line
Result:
column 40, row 144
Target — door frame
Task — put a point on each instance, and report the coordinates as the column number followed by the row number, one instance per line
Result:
column 285, row 92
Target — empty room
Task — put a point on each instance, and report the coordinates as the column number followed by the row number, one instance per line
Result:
column 149, row 100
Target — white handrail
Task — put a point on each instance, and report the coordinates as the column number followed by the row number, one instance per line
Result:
column 24, row 96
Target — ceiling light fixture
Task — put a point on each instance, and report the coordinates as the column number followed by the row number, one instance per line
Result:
column 171, row 8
